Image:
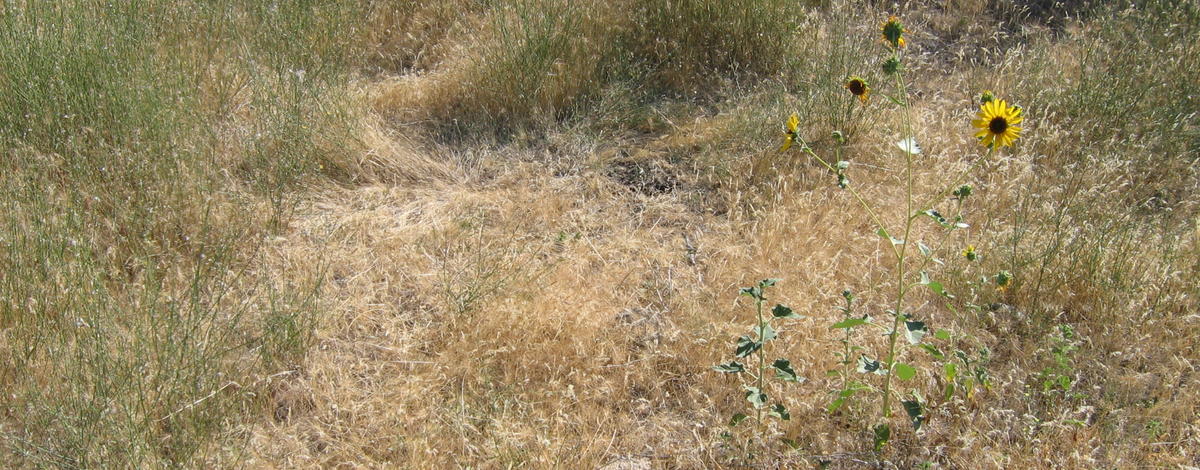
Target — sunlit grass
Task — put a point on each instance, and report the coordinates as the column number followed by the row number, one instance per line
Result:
column 510, row 233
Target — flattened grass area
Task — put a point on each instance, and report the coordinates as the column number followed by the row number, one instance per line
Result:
column 510, row 233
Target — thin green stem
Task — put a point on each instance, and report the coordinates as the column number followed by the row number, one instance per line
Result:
column 863, row 202
column 762, row 358
column 901, row 252
column 957, row 181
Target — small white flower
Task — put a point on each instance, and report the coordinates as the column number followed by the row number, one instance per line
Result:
column 909, row 145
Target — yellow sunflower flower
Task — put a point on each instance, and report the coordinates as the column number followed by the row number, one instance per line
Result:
column 859, row 87
column 789, row 133
column 997, row 124
column 893, row 32
column 969, row 253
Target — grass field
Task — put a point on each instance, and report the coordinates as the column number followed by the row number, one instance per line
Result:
column 512, row 234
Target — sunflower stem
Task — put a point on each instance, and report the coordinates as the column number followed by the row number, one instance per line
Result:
column 901, row 252
column 957, row 181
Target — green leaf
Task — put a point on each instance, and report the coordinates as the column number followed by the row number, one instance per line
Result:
column 784, row 371
column 845, row 394
column 895, row 241
column 937, row 288
column 755, row 292
column 937, row 217
column 737, row 419
column 915, row 413
column 755, row 396
column 769, row 282
column 942, row 335
column 849, row 323
column 766, row 332
column 949, row 391
column 780, row 411
column 883, row 433
column 933, row 351
column 914, row 331
column 867, row 365
column 893, row 99
column 951, row 371
column 781, row 311
column 925, row 250
column 746, row 347
column 904, row 371
column 730, row 368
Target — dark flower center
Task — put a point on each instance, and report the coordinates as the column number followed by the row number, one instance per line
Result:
column 857, row 87
column 998, row 125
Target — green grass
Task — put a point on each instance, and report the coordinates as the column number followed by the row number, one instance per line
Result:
column 133, row 330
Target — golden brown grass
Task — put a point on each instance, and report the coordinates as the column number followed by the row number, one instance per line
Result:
column 529, row 256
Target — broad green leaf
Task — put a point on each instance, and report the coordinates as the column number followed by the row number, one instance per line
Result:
column 746, row 347
column 849, row 323
column 766, row 332
column 882, row 434
column 755, row 292
column 835, row 405
column 925, row 250
column 781, row 311
column 755, row 396
column 933, row 351
column 904, row 371
column 949, row 391
column 937, row 288
column 780, row 411
column 768, row 282
column 951, row 371
column 737, row 419
column 895, row 241
column 784, row 371
column 867, row 365
column 942, row 335
column 914, row 331
column 730, row 368
column 915, row 413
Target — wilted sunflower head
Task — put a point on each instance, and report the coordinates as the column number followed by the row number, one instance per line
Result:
column 893, row 32
column 997, row 124
column 858, row 87
column 1004, row 280
column 789, row 132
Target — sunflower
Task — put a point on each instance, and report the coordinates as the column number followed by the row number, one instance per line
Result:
column 986, row 97
column 858, row 87
column 997, row 123
column 969, row 253
column 893, row 32
column 1004, row 280
column 789, row 133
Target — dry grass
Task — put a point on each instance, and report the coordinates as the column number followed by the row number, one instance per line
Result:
column 516, row 238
